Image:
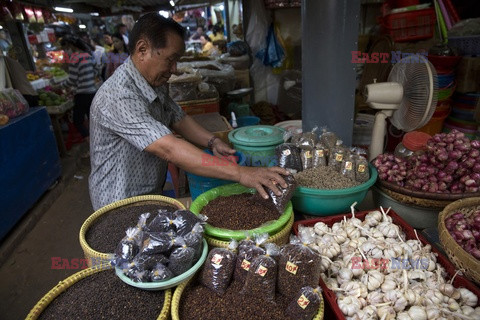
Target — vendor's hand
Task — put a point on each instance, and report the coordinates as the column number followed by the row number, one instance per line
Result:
column 221, row 149
column 259, row 177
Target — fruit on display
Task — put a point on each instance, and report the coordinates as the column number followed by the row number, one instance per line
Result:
column 3, row 119
column 50, row 98
column 57, row 72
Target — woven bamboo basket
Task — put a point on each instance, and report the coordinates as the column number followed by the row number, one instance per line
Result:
column 177, row 296
column 279, row 238
column 70, row 281
column 412, row 200
column 468, row 264
column 94, row 257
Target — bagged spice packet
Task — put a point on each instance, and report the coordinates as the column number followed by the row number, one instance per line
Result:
column 336, row 156
column 319, row 156
column 247, row 252
column 128, row 247
column 262, row 276
column 162, row 222
column 299, row 266
column 307, row 158
column 149, row 261
column 194, row 239
column 329, row 139
column 305, row 304
column 160, row 273
column 278, row 202
column 348, row 165
column 185, row 220
column 181, row 259
column 308, row 140
column 218, row 269
column 157, row 242
column 288, row 157
column 362, row 173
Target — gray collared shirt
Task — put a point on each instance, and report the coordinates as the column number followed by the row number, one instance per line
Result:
column 126, row 116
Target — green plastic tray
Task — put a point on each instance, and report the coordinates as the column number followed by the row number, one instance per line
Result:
column 226, row 234
column 327, row 202
column 173, row 282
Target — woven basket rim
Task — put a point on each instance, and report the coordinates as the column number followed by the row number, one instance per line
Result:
column 419, row 202
column 426, row 195
column 196, row 102
column 89, row 251
column 284, row 232
column 464, row 261
column 63, row 285
column 177, row 295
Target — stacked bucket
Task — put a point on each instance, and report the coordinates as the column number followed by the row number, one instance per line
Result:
column 462, row 116
column 445, row 67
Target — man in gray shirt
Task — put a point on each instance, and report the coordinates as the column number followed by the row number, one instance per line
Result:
column 131, row 116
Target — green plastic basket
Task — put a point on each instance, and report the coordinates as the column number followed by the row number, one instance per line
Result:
column 226, row 234
column 327, row 202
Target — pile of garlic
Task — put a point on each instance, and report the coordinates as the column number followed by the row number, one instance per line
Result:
column 414, row 291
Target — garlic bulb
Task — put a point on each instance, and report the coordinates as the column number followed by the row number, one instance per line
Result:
column 433, row 297
column 344, row 275
column 417, row 313
column 433, row 312
column 393, row 251
column 374, row 297
column 453, row 305
column 324, row 264
column 352, row 231
column 357, row 272
column 373, row 218
column 398, row 299
column 386, row 312
column 403, row 316
column 370, row 249
column 335, row 268
column 370, row 313
column 412, row 297
column 388, row 285
column 416, row 275
column 352, row 288
column 349, row 305
column 320, row 228
column 331, row 283
column 449, row 290
column 373, row 279
column 340, row 236
column 468, row 297
column 467, row 310
column 388, row 229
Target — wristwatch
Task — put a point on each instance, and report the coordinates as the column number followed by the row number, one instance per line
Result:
column 210, row 142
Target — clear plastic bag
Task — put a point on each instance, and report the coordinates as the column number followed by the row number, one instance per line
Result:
column 336, row 156
column 299, row 266
column 248, row 250
column 185, row 220
column 280, row 202
column 218, row 269
column 160, row 273
column 128, row 247
column 308, row 140
column 148, row 261
column 288, row 157
column 362, row 173
column 194, row 239
column 305, row 304
column 307, row 158
column 319, row 156
column 329, row 139
column 348, row 166
column 12, row 103
column 157, row 242
column 162, row 222
column 181, row 259
column 262, row 275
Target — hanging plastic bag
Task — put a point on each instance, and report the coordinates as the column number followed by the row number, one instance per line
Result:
column 273, row 54
column 278, row 203
column 218, row 269
column 319, row 156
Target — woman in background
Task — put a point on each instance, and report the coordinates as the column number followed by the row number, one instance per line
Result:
column 217, row 33
column 208, row 49
column 81, row 80
column 117, row 56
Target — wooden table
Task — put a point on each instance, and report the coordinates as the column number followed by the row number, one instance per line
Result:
column 56, row 113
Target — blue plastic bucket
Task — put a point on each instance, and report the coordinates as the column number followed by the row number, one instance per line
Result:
column 199, row 184
column 247, row 121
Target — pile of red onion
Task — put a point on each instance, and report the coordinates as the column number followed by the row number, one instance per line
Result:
column 450, row 164
column 466, row 231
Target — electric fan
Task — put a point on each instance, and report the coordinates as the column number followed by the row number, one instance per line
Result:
column 409, row 98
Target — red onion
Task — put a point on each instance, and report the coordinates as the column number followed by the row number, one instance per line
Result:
column 476, row 167
column 475, row 144
column 471, row 189
column 474, row 153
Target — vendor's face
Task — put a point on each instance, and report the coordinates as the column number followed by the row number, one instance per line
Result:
column 159, row 64
column 107, row 39
column 117, row 43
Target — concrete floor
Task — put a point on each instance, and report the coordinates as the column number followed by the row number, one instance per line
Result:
column 51, row 230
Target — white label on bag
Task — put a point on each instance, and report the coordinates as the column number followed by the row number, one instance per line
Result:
column 303, row 301
column 217, row 259
column 291, row 267
column 286, row 152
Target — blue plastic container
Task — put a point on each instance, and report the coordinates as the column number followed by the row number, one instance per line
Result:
column 199, row 184
column 247, row 121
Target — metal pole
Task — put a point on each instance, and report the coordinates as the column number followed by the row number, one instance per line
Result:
column 329, row 35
